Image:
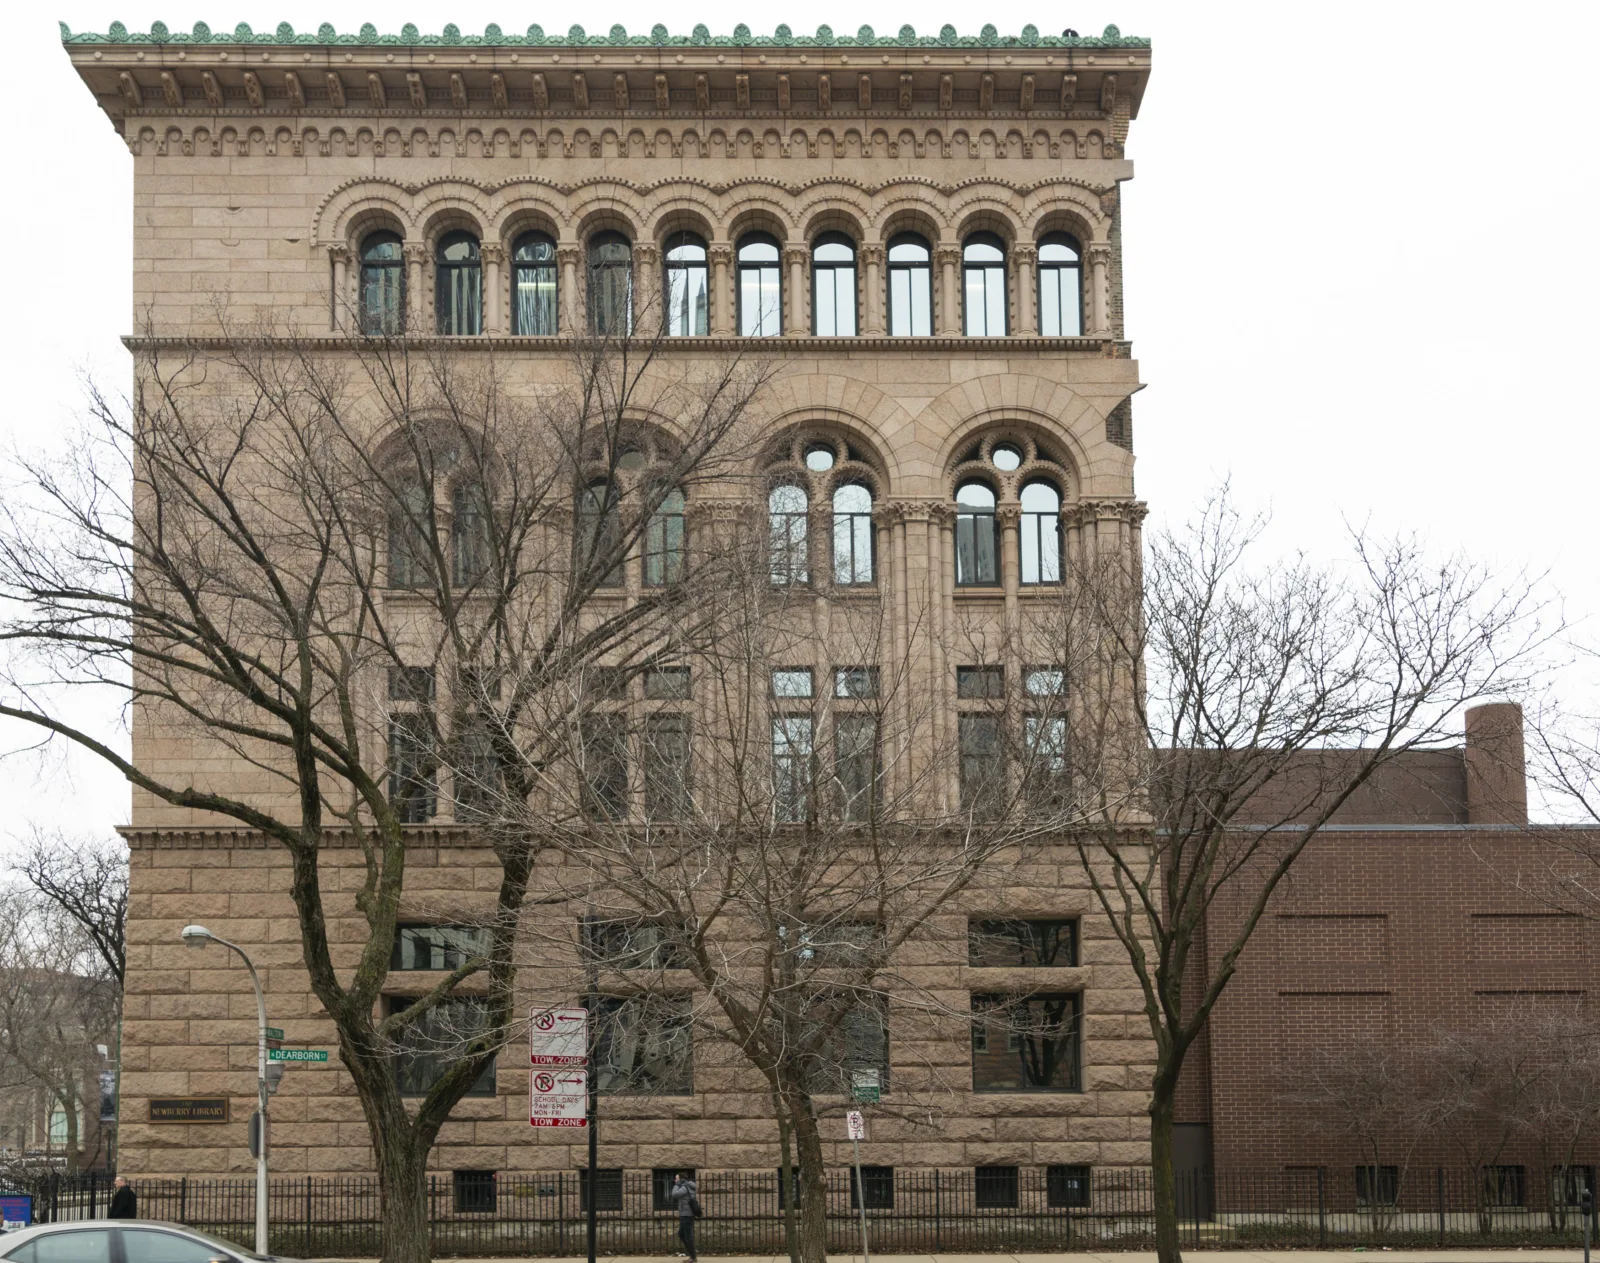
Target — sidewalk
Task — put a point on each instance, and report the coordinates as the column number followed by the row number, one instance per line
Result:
column 1510, row 1255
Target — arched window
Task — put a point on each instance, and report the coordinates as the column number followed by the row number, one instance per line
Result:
column 852, row 534
column 760, row 287
column 600, row 534
column 1060, row 287
column 458, row 284
column 833, row 286
column 533, row 285
column 1039, row 546
column 469, row 534
column 610, row 285
column 977, row 536
column 910, row 286
column 983, row 282
column 410, row 556
column 688, row 292
column 787, row 507
column 663, row 542
column 383, row 284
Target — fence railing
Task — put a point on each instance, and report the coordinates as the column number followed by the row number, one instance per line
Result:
column 991, row 1210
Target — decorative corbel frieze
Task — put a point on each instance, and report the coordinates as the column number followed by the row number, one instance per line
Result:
column 580, row 91
column 212, row 89
column 1069, row 91
column 335, row 89
column 1027, row 92
column 986, row 93
column 905, row 92
column 541, row 93
column 376, row 91
column 252, row 89
column 293, row 90
column 171, row 89
column 1108, row 93
column 132, row 93
column 458, row 91
column 824, row 93
column 783, row 93
column 702, row 94
column 663, row 94
column 497, row 90
column 741, row 91
column 418, row 90
column 864, row 91
column 947, row 92
column 619, row 90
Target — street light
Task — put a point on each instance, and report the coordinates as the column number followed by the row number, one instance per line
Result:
column 199, row 936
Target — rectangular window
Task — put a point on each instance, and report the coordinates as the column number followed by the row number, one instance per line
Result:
column 859, row 683
column 608, row 1188
column 791, row 682
column 606, row 684
column 1505, row 1185
column 428, row 1047
column 661, row 1181
column 605, row 765
column 437, row 947
column 1046, row 782
column 857, row 767
column 1025, row 1043
column 848, row 1031
column 1567, row 1184
column 1377, row 1185
column 476, row 770
column 413, row 767
column 411, row 684
column 980, row 682
column 629, row 945
column 1067, row 1188
column 1046, row 943
column 995, row 1188
column 474, row 1192
column 666, row 767
column 644, row 1045
column 1044, row 681
column 791, row 767
column 983, row 765
column 877, row 1187
column 666, row 684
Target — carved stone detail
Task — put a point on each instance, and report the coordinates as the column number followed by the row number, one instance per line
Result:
column 783, row 93
column 864, row 91
column 213, row 90
column 824, row 93
column 619, row 90
column 663, row 94
column 172, row 90
column 986, row 93
column 294, row 91
column 947, row 92
column 376, row 92
column 418, row 90
column 741, row 91
column 702, row 94
column 252, row 89
column 905, row 92
column 580, row 91
column 335, row 87
column 541, row 93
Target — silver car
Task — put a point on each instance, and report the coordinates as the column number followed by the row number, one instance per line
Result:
column 120, row 1241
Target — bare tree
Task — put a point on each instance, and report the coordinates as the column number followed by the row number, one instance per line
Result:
column 88, row 880
column 1247, row 700
column 369, row 576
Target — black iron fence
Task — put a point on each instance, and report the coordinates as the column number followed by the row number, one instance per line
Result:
column 992, row 1209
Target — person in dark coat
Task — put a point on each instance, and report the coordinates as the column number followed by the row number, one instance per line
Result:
column 683, row 1193
column 124, row 1201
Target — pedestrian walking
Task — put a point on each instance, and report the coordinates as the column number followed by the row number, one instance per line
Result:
column 124, row 1201
column 688, row 1201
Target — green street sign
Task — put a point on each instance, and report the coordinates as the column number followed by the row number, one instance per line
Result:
column 864, row 1087
column 274, row 1032
column 296, row 1054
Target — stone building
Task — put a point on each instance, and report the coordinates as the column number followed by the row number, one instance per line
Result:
column 926, row 231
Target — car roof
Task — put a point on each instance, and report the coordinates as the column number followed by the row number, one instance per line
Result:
column 12, row 1239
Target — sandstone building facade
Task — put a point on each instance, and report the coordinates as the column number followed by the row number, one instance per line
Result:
column 926, row 233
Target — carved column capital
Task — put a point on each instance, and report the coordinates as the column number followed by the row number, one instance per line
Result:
column 340, row 253
column 1025, row 252
column 492, row 252
column 415, row 252
column 719, row 254
column 942, row 513
column 796, row 256
column 1009, row 516
column 947, row 255
column 1132, row 512
column 569, row 256
column 872, row 254
column 1100, row 254
column 646, row 253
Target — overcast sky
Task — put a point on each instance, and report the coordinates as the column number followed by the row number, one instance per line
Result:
column 1360, row 261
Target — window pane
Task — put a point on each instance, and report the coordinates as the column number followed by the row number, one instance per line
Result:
column 688, row 300
column 1067, row 1188
column 980, row 682
column 1044, row 681
column 844, row 288
column 666, row 767
column 140, row 1245
column 1050, row 943
column 1050, row 302
column 81, row 1246
column 428, row 1047
column 644, row 1045
column 630, row 945
column 995, row 295
column 791, row 766
column 666, row 683
column 824, row 301
column 857, row 768
column 875, row 1184
column 758, row 302
column 1030, row 1043
column 412, row 767
column 534, row 302
column 437, row 947
column 858, row 682
column 850, row 1032
column 995, row 1188
column 608, row 1188
column 791, row 682
column 982, row 765
column 976, row 308
column 605, row 766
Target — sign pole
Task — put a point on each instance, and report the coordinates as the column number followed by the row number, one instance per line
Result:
column 594, row 1159
column 861, row 1201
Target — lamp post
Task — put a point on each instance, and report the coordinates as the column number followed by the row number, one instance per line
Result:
column 199, row 936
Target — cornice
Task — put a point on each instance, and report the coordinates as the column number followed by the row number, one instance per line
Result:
column 233, row 838
column 617, row 37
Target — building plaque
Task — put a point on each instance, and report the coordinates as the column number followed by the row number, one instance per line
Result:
column 189, row 1109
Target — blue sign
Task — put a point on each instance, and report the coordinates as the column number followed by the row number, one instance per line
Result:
column 16, row 1209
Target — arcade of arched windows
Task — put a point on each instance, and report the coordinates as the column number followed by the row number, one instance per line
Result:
column 993, row 278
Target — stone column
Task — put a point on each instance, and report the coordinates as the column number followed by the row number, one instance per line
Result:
column 493, row 255
column 795, row 323
column 942, row 588
column 341, row 287
column 570, row 319
column 647, row 293
column 1100, row 291
column 872, row 324
column 1025, row 256
column 949, row 315
column 721, row 255
column 417, row 322
column 1009, row 517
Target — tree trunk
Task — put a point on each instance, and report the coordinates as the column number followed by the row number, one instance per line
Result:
column 813, row 1189
column 403, row 1197
column 791, row 1241
column 1161, row 1182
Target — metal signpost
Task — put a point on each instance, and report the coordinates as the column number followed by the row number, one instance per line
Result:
column 562, row 1091
column 856, row 1125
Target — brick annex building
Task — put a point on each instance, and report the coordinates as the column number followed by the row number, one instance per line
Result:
column 925, row 229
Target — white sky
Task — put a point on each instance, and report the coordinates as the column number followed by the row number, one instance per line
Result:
column 1360, row 260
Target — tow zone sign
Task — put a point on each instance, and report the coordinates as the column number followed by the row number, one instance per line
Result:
column 559, row 1037
column 559, row 1097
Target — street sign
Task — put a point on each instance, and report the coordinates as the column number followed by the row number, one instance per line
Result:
column 297, row 1054
column 559, row 1037
column 558, row 1098
column 274, row 1032
column 855, row 1125
column 864, row 1087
